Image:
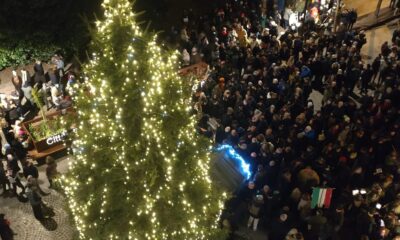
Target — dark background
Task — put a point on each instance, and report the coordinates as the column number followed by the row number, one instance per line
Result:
column 32, row 29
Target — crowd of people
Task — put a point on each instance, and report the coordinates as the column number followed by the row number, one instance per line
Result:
column 264, row 69
column 259, row 91
column 19, row 177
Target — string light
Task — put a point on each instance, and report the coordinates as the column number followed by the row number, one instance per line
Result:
column 140, row 170
column 244, row 166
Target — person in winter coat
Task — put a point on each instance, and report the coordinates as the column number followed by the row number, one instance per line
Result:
column 25, row 77
column 316, row 225
column 16, row 81
column 185, row 57
column 3, row 179
column 279, row 227
column 51, row 170
column 53, row 76
column 242, row 36
column 365, row 223
column 27, row 91
column 255, row 210
column 31, row 174
column 352, row 18
column 12, row 173
column 35, row 200
column 30, row 169
column 366, row 77
column 286, row 15
column 39, row 77
column 38, row 67
column 335, row 223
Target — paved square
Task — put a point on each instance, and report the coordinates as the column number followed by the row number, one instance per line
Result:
column 24, row 223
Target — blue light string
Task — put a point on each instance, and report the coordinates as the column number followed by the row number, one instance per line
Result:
column 245, row 167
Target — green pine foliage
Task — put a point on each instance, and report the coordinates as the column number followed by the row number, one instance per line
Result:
column 140, row 169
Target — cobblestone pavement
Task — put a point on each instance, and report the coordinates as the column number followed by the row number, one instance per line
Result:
column 24, row 223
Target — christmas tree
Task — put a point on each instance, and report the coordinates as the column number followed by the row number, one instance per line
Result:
column 140, row 170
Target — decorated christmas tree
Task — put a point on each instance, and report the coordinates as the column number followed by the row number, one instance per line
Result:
column 140, row 170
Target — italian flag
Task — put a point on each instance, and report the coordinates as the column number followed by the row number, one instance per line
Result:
column 321, row 197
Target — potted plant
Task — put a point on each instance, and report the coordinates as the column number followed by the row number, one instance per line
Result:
column 47, row 131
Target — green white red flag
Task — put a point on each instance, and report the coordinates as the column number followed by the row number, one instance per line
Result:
column 321, row 197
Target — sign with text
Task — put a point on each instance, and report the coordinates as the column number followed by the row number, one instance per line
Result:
column 56, row 138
